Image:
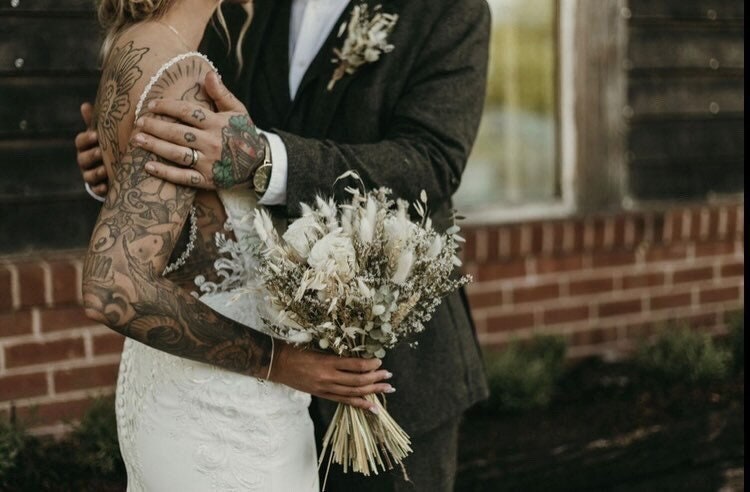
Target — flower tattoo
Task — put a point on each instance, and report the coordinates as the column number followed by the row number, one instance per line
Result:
column 112, row 100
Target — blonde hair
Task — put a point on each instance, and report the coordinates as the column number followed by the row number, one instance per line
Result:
column 117, row 15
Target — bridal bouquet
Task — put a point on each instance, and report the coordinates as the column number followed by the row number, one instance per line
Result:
column 356, row 278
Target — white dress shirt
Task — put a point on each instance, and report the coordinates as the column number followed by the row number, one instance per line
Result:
column 310, row 24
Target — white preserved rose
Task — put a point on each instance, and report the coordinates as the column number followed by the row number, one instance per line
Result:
column 334, row 251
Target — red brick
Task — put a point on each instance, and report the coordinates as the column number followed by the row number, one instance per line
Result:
column 64, row 282
column 499, row 271
column 469, row 249
column 15, row 323
column 675, row 218
column 493, row 243
column 536, row 293
column 670, row 252
column 693, row 275
column 31, row 280
column 590, row 286
column 40, row 352
column 556, row 264
column 733, row 270
column 640, row 331
column 537, row 238
column 714, row 249
column 85, row 378
column 566, row 315
column 721, row 294
column 658, row 223
column 53, row 413
column 23, row 386
column 510, row 322
column 558, row 236
column 6, row 294
column 733, row 214
column 640, row 229
column 109, row 343
column 65, row 318
column 671, row 301
column 713, row 223
column 619, row 308
column 599, row 226
column 639, row 281
column 594, row 336
column 514, row 233
column 579, row 236
column 619, row 258
column 695, row 223
column 620, row 226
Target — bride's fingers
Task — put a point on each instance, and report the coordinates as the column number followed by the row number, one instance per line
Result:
column 372, row 389
column 178, row 176
column 362, row 379
column 358, row 365
column 179, row 154
column 190, row 113
column 357, row 402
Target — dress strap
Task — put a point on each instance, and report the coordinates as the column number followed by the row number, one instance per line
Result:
column 161, row 71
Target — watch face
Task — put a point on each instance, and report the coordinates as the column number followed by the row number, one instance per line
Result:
column 261, row 178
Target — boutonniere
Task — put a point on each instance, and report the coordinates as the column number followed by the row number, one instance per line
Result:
column 366, row 40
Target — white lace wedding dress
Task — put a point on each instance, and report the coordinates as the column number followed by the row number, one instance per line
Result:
column 186, row 426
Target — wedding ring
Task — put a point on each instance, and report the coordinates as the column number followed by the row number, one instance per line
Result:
column 195, row 159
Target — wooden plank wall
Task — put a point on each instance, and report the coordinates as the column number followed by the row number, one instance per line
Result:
column 685, row 67
column 48, row 66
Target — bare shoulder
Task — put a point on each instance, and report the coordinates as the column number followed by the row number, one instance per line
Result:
column 141, row 59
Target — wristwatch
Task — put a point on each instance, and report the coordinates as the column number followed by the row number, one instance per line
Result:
column 262, row 176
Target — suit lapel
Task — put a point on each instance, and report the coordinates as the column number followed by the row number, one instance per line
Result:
column 323, row 102
column 268, row 39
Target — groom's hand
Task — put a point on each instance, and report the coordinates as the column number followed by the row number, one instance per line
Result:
column 331, row 377
column 89, row 154
column 211, row 150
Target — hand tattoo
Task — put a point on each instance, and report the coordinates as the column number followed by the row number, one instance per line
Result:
column 199, row 115
column 190, row 137
column 239, row 152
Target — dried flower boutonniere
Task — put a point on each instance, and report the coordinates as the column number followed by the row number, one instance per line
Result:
column 366, row 40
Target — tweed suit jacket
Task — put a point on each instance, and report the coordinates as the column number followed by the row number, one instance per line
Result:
column 408, row 122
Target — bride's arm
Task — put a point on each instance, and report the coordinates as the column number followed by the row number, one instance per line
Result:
column 125, row 289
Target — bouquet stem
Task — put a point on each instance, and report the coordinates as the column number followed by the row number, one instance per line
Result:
column 364, row 442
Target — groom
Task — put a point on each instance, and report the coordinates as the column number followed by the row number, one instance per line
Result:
column 406, row 121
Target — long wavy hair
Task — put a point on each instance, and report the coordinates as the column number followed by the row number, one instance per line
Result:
column 115, row 16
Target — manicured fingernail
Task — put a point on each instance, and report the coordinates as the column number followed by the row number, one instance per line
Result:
column 150, row 168
column 388, row 375
column 140, row 138
column 375, row 410
column 139, row 122
column 390, row 390
column 152, row 105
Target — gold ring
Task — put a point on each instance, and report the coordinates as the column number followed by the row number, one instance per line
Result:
column 195, row 159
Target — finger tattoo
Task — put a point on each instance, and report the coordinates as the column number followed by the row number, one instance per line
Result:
column 199, row 115
column 195, row 180
column 190, row 137
column 188, row 158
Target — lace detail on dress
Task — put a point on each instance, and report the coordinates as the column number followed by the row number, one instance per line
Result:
column 187, row 426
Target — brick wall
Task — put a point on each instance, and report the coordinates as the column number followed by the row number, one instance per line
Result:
column 601, row 281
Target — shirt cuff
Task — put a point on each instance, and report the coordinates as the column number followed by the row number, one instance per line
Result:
column 276, row 192
column 94, row 195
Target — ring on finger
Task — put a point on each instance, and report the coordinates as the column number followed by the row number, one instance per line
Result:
column 194, row 159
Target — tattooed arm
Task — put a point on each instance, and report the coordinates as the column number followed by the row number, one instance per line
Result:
column 137, row 228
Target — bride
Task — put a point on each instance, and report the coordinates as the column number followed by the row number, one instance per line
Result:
column 206, row 399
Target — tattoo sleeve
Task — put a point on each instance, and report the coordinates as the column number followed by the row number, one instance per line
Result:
column 123, row 284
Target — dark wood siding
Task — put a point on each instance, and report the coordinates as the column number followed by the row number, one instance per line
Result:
column 48, row 66
column 685, row 67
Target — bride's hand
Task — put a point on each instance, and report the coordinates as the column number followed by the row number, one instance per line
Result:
column 331, row 377
column 210, row 150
